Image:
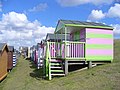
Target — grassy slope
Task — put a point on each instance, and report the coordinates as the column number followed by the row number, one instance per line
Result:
column 105, row 77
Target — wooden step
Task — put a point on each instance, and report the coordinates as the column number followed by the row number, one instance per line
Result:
column 58, row 74
column 54, row 60
column 56, row 63
column 57, row 71
column 57, row 67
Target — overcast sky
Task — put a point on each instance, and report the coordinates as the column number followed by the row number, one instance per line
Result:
column 26, row 22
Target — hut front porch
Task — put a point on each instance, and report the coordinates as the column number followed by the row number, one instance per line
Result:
column 59, row 54
column 66, row 50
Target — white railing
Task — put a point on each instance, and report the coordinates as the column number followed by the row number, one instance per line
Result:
column 73, row 49
column 67, row 49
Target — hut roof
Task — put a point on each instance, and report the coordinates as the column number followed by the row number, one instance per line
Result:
column 11, row 48
column 51, row 36
column 81, row 24
column 2, row 46
column 84, row 23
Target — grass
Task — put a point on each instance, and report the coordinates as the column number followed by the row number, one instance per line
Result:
column 104, row 77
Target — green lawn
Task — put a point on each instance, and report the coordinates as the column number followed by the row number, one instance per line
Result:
column 104, row 77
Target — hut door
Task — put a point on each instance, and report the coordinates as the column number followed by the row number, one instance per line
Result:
column 76, row 36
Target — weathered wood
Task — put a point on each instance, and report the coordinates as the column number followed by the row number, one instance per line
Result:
column 10, row 60
column 3, row 62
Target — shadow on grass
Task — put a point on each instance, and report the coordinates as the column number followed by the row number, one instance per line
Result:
column 3, row 79
column 37, row 73
column 76, row 67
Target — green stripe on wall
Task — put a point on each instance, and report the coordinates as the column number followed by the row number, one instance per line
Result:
column 98, row 46
column 92, row 35
column 99, row 58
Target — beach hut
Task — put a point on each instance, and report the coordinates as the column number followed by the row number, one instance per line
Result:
column 17, row 53
column 39, row 60
column 14, row 60
column 3, row 60
column 35, row 56
column 28, row 53
column 10, row 58
column 89, row 42
column 40, row 48
column 41, row 54
column 31, row 53
column 24, row 51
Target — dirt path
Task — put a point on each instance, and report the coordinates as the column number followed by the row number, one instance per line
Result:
column 25, row 76
column 22, row 77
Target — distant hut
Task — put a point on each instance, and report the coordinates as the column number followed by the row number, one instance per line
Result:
column 3, row 60
column 35, row 56
column 28, row 53
column 31, row 53
column 40, row 55
column 23, row 50
column 10, row 57
column 14, row 60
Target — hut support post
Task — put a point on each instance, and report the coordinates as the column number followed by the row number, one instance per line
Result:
column 65, row 42
column 66, row 67
column 89, row 64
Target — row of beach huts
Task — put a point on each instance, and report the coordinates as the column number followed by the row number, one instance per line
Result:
column 72, row 43
column 8, row 59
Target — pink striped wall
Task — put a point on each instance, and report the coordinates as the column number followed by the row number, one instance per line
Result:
column 100, row 41
column 103, row 52
column 98, row 31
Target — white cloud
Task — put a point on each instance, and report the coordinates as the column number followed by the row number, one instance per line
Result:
column 68, row 3
column 96, row 15
column 16, row 29
column 14, row 19
column 116, row 29
column 114, row 11
column 39, row 7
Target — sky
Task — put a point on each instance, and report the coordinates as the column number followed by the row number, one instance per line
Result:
column 26, row 22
